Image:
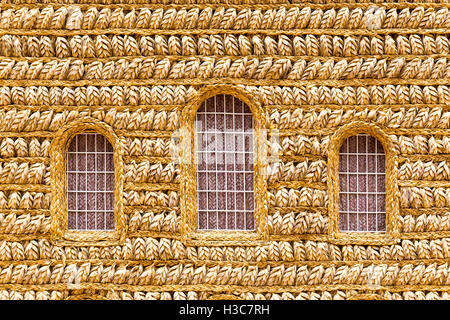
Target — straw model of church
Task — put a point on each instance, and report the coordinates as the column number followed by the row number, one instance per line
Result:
column 224, row 149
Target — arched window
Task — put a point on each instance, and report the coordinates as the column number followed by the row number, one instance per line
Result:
column 90, row 183
column 362, row 185
column 224, row 155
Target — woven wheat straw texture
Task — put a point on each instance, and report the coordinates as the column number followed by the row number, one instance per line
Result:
column 315, row 72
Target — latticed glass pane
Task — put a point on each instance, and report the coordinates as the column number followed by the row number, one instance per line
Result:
column 90, row 183
column 224, row 149
column 362, row 184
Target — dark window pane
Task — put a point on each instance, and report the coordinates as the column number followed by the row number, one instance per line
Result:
column 226, row 202
column 362, row 184
column 90, row 190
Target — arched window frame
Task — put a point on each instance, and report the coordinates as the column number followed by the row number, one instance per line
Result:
column 58, row 176
column 392, row 191
column 188, row 189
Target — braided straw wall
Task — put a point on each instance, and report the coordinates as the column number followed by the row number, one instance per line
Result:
column 313, row 71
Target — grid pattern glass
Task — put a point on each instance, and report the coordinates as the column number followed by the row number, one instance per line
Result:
column 224, row 149
column 362, row 184
column 90, row 183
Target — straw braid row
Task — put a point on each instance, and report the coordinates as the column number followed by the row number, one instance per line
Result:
column 149, row 221
column 386, row 275
column 24, row 173
column 425, row 223
column 25, row 250
column 152, row 198
column 268, row 95
column 313, row 171
column 422, row 144
column 228, row 2
column 26, row 120
column 24, row 200
column 424, row 197
column 143, row 295
column 159, row 147
column 424, row 170
column 96, row 95
column 407, row 145
column 316, row 223
column 24, row 147
column 287, row 197
column 201, row 295
column 105, row 46
column 23, row 224
column 342, row 295
column 300, row 145
column 33, row 295
column 146, row 171
column 73, row 18
column 282, row 251
column 309, row 295
column 209, row 67
column 358, row 95
column 297, row 223
column 140, row 120
column 328, row 118
column 135, row 249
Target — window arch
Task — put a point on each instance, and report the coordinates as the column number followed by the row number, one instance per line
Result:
column 224, row 164
column 90, row 182
column 362, row 184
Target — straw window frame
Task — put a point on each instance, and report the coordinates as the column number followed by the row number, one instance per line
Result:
column 188, row 176
column 392, row 213
column 58, row 206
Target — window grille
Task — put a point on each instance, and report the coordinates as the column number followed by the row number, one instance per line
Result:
column 362, row 184
column 224, row 149
column 90, row 183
